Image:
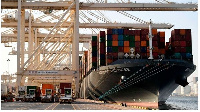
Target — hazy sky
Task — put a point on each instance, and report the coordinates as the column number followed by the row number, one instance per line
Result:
column 180, row 20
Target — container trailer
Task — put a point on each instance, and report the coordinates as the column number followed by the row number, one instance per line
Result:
column 66, row 92
column 47, row 93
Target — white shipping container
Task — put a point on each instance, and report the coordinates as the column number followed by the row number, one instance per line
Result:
column 3, row 89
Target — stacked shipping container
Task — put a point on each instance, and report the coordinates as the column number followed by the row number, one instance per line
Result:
column 94, row 52
column 181, row 42
column 120, row 42
column 102, row 48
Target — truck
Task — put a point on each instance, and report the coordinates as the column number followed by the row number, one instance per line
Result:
column 47, row 93
column 5, row 95
column 33, row 93
column 65, row 92
column 21, row 93
column 3, row 92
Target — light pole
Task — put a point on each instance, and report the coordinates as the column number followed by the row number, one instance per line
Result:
column 8, row 64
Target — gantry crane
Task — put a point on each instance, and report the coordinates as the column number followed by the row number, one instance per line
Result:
column 62, row 37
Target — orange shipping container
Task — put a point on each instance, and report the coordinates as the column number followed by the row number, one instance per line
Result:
column 126, row 49
column 143, row 43
column 126, row 43
column 137, row 38
column 47, row 86
column 182, row 31
column 114, row 43
column 154, row 31
column 155, row 49
column 161, row 51
column 162, row 34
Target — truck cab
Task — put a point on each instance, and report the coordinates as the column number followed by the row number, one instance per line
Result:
column 21, row 93
column 47, row 93
column 67, row 96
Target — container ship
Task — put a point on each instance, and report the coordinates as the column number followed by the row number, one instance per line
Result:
column 116, row 68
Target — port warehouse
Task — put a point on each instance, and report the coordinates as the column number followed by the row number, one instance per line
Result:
column 115, row 44
column 110, row 46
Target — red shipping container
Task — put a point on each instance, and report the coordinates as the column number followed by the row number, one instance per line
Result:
column 155, row 49
column 162, row 39
column 155, row 55
column 188, row 43
column 188, row 38
column 143, row 37
column 94, row 43
column 155, row 43
column 102, row 50
column 144, row 31
column 109, row 61
column 177, row 49
column 65, row 85
column 187, row 31
column 94, row 59
column 102, row 34
column 154, row 31
column 126, row 32
column 183, row 38
column 144, row 55
column 115, row 37
column 176, row 32
column 183, row 49
column 137, row 32
column 126, row 43
column 131, row 32
column 137, row 49
column 176, row 37
column 137, row 44
column 183, row 43
column 102, row 44
column 161, row 51
column 109, row 32
column 120, row 49
column 115, row 55
column 176, row 43
column 162, row 34
column 155, row 38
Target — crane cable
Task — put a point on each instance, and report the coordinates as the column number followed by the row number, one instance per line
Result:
column 132, row 17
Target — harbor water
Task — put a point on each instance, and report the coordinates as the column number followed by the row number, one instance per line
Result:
column 181, row 103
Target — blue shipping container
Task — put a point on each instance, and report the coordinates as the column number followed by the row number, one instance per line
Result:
column 120, row 31
column 188, row 55
column 120, row 37
column 120, row 43
column 143, row 49
column 114, row 31
column 102, row 56
column 109, row 49
column 109, row 37
column 183, row 55
column 94, row 54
